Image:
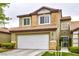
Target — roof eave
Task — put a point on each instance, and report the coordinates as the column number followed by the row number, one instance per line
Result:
column 34, row 30
column 35, row 12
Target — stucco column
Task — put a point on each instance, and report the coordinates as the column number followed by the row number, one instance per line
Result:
column 13, row 38
column 52, row 42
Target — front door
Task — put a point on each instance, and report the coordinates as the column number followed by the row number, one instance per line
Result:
column 65, row 42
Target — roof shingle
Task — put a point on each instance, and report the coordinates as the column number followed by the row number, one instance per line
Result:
column 35, row 12
column 4, row 30
column 74, row 25
column 32, row 28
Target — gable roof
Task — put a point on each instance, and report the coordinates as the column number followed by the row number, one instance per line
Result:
column 35, row 12
column 74, row 25
column 50, row 9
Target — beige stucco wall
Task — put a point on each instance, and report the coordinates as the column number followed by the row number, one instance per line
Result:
column 53, row 45
column 58, row 25
column 13, row 37
column 34, row 20
column 54, row 17
column 52, row 42
column 4, row 37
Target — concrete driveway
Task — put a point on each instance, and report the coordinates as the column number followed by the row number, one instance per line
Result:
column 21, row 52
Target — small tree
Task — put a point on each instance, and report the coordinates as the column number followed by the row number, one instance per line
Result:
column 3, row 17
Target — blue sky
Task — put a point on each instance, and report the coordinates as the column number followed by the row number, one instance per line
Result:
column 68, row 9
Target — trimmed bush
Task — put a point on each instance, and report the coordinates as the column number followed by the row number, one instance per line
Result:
column 8, row 45
column 74, row 49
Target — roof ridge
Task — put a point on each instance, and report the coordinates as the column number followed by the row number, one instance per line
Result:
column 35, row 12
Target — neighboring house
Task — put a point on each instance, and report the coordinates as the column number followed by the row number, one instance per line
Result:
column 75, row 33
column 42, row 29
column 5, row 35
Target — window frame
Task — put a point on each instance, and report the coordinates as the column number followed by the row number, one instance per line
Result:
column 39, row 20
column 75, row 39
column 64, row 26
column 29, row 21
column 75, row 45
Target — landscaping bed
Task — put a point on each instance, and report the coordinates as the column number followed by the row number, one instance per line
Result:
column 6, row 47
column 74, row 50
column 47, row 53
column 3, row 50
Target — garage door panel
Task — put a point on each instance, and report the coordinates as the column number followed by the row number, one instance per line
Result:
column 33, row 41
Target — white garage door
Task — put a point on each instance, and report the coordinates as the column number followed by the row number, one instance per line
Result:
column 33, row 41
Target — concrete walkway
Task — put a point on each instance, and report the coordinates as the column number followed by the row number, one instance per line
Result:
column 19, row 52
column 64, row 49
column 24, row 52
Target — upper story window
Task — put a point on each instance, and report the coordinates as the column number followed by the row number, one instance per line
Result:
column 44, row 19
column 64, row 26
column 27, row 21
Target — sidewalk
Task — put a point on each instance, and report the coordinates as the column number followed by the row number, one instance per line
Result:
column 64, row 50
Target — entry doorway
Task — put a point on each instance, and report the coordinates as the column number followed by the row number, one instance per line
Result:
column 64, row 42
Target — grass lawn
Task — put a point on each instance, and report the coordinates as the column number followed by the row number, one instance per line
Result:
column 55, row 54
column 3, row 50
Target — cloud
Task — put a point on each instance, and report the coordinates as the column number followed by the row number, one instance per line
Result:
column 68, row 9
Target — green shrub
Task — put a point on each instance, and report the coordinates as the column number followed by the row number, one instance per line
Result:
column 47, row 54
column 8, row 45
column 74, row 49
column 0, row 44
column 3, row 50
column 58, row 48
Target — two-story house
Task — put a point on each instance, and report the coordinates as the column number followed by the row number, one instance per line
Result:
column 41, row 29
column 75, row 33
column 44, row 28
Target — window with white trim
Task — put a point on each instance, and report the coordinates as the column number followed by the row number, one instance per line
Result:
column 75, row 45
column 75, row 35
column 75, row 40
column 44, row 19
column 27, row 21
column 64, row 26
